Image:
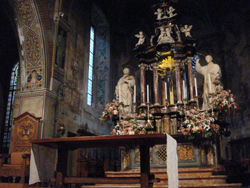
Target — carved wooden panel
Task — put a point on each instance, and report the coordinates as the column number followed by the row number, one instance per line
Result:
column 26, row 129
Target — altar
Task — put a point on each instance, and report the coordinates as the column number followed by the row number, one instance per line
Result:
column 63, row 145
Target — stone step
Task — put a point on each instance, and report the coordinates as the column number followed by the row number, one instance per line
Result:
column 235, row 185
column 14, row 185
column 200, row 172
column 197, row 180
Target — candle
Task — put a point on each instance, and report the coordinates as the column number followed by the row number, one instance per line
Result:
column 147, row 93
column 209, row 81
column 120, row 99
column 166, row 94
column 195, row 87
column 134, row 93
column 183, row 90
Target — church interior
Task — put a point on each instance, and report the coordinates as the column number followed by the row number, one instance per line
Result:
column 62, row 65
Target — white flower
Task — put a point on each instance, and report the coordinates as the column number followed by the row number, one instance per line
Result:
column 141, row 126
column 103, row 113
column 189, row 126
column 211, row 119
column 225, row 102
column 186, row 122
column 117, row 126
column 119, row 132
column 131, row 132
column 232, row 99
column 115, row 112
column 111, row 108
column 205, row 126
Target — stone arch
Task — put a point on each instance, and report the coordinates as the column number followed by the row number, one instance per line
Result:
column 31, row 41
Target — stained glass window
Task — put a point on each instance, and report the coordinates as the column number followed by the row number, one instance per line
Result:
column 91, row 64
column 9, row 111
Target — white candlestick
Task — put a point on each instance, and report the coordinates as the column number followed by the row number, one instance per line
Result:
column 209, row 82
column 195, row 87
column 147, row 93
column 120, row 99
column 166, row 94
column 183, row 89
column 134, row 93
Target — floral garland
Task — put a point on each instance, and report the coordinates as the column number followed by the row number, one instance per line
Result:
column 110, row 112
column 224, row 101
column 128, row 126
column 199, row 125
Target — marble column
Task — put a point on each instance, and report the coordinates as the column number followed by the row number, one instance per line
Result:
column 143, row 84
column 163, row 92
column 190, row 78
column 178, row 80
column 155, row 82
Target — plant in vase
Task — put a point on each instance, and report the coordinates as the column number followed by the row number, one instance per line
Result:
column 200, row 127
column 224, row 101
column 110, row 112
column 128, row 126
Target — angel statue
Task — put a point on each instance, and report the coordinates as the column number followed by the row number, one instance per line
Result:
column 159, row 13
column 165, row 36
column 186, row 29
column 170, row 12
column 141, row 38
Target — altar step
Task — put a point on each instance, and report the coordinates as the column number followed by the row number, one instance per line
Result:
column 188, row 178
column 13, row 185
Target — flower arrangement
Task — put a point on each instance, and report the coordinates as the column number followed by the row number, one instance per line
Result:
column 199, row 125
column 111, row 111
column 128, row 126
column 224, row 101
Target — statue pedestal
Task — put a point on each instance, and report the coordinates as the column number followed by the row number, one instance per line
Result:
column 188, row 156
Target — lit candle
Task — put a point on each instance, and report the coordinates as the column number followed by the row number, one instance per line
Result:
column 183, row 90
column 195, row 87
column 120, row 99
column 209, row 82
column 166, row 94
column 147, row 93
column 134, row 93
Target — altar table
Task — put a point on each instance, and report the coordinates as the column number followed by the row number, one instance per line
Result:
column 63, row 145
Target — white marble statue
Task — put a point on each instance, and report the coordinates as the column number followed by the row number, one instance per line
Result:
column 186, row 29
column 141, row 38
column 126, row 84
column 212, row 75
column 165, row 36
column 159, row 14
column 170, row 12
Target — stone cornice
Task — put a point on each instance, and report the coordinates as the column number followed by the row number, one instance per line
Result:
column 35, row 92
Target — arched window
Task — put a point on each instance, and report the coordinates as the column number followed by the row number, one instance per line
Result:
column 91, row 65
column 9, row 111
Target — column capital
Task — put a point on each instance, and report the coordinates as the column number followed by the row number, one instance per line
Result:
column 177, row 62
column 189, row 59
column 154, row 65
column 143, row 66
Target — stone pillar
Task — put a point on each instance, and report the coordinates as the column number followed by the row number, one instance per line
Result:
column 155, row 82
column 178, row 80
column 143, row 84
column 190, row 78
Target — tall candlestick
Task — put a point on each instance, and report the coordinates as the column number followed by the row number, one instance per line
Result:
column 166, row 94
column 195, row 87
column 147, row 93
column 120, row 99
column 183, row 89
column 134, row 93
column 209, row 81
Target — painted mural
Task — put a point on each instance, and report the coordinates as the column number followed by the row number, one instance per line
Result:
column 30, row 35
